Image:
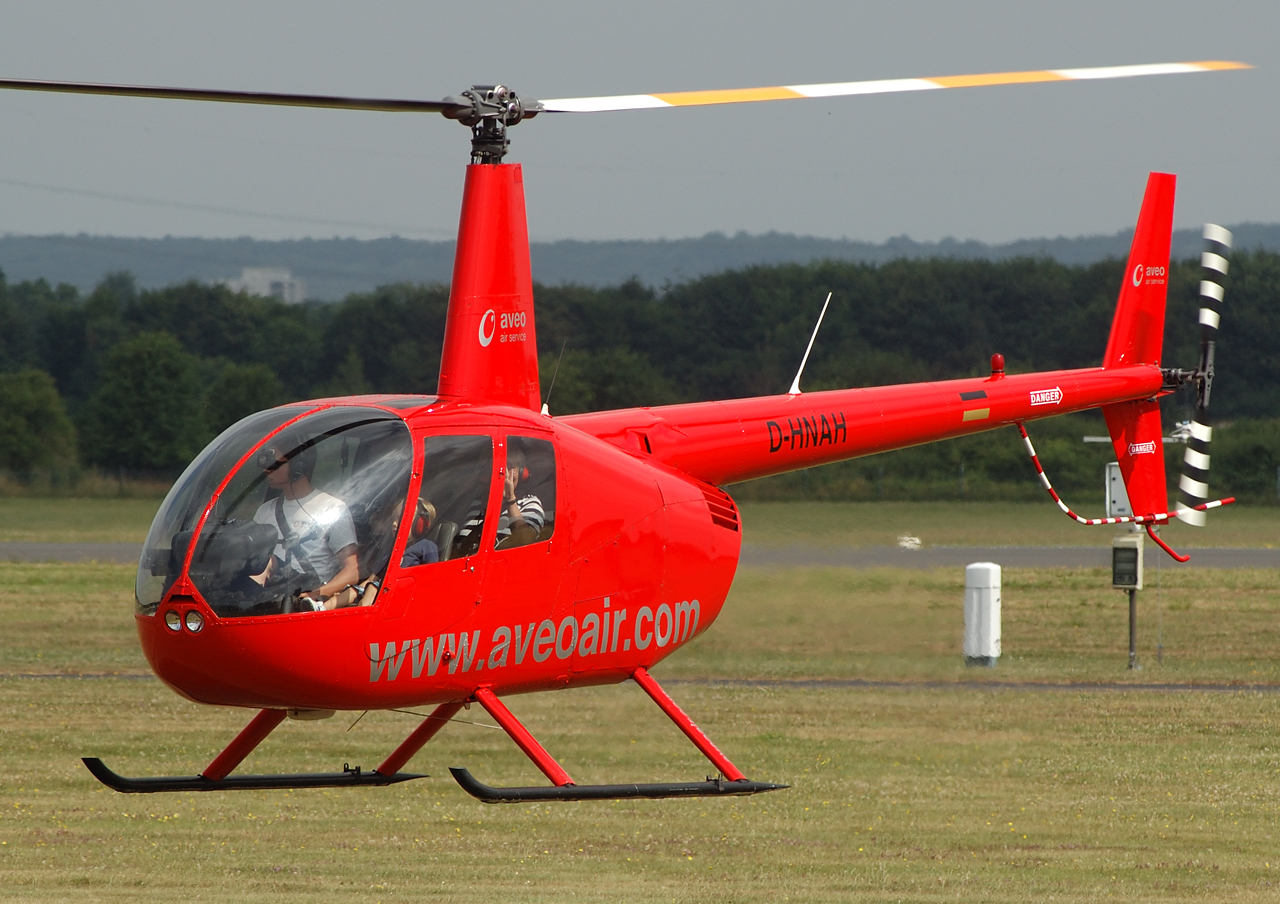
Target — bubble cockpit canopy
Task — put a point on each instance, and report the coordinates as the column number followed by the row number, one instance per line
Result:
column 308, row 520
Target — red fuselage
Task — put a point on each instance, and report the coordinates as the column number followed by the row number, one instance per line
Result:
column 641, row 559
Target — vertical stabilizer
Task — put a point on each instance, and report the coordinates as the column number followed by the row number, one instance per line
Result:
column 1137, row 332
column 490, row 350
column 1137, row 337
column 1139, row 446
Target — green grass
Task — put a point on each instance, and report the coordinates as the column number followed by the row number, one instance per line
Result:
column 1058, row 625
column 58, row 520
column 89, row 520
column 980, row 524
column 898, row 795
column 924, row 793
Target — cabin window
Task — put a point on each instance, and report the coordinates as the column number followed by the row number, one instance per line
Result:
column 527, row 509
column 167, row 541
column 448, row 519
column 308, row 522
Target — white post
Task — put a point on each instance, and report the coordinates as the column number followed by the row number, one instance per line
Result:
column 982, row 614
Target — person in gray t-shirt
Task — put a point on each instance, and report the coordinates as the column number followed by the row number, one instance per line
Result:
column 317, row 538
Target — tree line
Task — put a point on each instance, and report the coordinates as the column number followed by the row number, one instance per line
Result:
column 137, row 381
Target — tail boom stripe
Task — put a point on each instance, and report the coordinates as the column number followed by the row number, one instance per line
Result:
column 1157, row 518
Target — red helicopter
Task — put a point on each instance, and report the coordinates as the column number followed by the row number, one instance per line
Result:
column 389, row 551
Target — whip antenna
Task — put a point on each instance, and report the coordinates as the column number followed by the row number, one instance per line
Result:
column 795, row 384
column 547, row 401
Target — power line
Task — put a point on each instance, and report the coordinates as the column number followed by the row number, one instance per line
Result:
column 227, row 211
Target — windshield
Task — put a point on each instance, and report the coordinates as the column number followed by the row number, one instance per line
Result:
column 308, row 523
column 166, row 544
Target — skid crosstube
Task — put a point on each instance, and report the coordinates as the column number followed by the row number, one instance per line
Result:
column 655, row 791
column 348, row 778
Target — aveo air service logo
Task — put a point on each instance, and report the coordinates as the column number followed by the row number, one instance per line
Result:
column 488, row 324
column 1152, row 276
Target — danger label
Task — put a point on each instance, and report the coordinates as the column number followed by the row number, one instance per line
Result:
column 1046, row 396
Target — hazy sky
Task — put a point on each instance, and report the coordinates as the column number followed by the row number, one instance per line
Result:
column 991, row 163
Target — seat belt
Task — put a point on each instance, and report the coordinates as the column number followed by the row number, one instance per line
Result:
column 289, row 540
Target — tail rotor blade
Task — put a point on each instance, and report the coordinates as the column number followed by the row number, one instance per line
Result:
column 1193, row 486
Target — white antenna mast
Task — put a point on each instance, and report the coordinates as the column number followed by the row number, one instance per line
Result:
column 795, row 384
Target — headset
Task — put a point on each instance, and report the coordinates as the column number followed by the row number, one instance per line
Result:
column 301, row 459
column 516, row 462
column 423, row 517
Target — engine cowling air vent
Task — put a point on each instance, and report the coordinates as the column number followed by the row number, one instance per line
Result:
column 723, row 511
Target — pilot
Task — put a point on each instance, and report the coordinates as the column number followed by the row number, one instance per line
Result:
column 316, row 551
column 420, row 550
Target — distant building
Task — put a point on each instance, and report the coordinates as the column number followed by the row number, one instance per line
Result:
column 269, row 282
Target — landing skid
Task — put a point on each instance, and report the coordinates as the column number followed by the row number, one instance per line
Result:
column 347, row 778
column 657, row 791
column 217, row 777
column 730, row 782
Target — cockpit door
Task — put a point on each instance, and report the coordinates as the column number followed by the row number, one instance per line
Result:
column 440, row 568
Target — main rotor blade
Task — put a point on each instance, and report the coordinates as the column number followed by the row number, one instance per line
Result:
column 236, row 97
column 881, row 86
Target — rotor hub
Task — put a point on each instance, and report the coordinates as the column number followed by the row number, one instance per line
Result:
column 489, row 110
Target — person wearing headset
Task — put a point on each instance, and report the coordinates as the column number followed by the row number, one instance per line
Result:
column 420, row 550
column 317, row 538
column 520, row 515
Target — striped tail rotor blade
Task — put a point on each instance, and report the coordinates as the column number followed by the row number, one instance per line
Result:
column 878, row 86
column 1193, row 486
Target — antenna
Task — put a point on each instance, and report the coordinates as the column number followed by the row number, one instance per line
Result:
column 547, row 401
column 795, row 384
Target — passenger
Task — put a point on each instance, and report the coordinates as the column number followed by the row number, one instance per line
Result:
column 420, row 550
column 521, row 518
column 316, row 552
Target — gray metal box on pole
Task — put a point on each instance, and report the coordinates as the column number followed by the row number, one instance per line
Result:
column 1117, row 496
column 982, row 614
column 1126, row 562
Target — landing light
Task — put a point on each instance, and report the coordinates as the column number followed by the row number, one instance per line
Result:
column 173, row 620
column 195, row 621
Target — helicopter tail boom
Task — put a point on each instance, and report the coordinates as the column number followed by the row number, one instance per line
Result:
column 742, row 439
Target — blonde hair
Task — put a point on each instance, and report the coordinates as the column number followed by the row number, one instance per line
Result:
column 424, row 510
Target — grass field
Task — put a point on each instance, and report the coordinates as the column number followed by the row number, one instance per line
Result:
column 59, row 520
column 961, row 790
column 981, row 524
